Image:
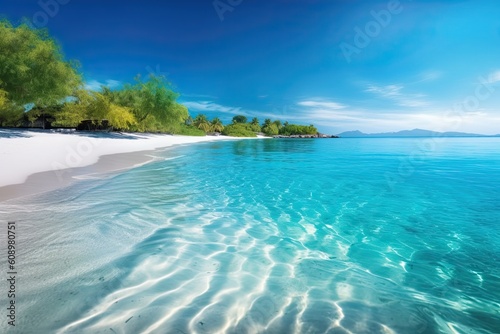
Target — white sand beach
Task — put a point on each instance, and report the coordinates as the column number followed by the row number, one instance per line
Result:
column 24, row 153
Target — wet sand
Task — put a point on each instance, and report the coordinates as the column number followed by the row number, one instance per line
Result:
column 47, row 181
column 34, row 162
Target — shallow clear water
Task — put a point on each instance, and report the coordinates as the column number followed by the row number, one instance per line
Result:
column 276, row 236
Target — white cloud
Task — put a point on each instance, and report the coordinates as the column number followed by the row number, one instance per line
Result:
column 321, row 104
column 371, row 121
column 205, row 106
column 209, row 106
column 494, row 77
column 429, row 76
column 389, row 91
column 113, row 83
column 322, row 109
column 93, row 85
column 334, row 117
column 394, row 93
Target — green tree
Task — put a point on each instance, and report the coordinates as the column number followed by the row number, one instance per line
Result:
column 74, row 111
column 311, row 130
column 120, row 118
column 179, row 113
column 270, row 130
column 294, row 129
column 201, row 122
column 3, row 99
column 187, row 130
column 238, row 130
column 155, row 99
column 32, row 67
column 217, row 125
column 153, row 104
column 128, row 96
column 239, row 119
column 278, row 124
column 33, row 115
column 10, row 115
column 97, row 107
column 255, row 125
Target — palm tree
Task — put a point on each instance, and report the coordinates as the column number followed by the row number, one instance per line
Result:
column 255, row 125
column 217, row 125
column 201, row 122
column 278, row 123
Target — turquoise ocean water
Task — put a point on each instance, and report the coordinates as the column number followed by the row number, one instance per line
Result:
column 271, row 236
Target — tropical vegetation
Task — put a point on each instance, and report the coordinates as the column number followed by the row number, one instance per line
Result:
column 38, row 85
column 239, row 130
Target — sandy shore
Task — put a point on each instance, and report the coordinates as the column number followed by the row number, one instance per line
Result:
column 31, row 161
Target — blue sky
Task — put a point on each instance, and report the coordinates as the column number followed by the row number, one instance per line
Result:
column 341, row 64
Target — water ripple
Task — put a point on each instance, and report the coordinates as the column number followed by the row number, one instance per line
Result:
column 265, row 236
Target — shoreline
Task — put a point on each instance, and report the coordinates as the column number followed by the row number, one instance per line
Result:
column 34, row 162
column 46, row 181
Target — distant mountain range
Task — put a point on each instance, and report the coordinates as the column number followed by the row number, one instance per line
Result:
column 411, row 133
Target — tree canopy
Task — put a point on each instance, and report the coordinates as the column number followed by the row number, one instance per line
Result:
column 255, row 125
column 33, row 68
column 152, row 103
column 239, row 119
column 217, row 125
column 9, row 114
column 201, row 122
column 239, row 130
column 270, row 129
column 252, row 128
column 93, row 106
